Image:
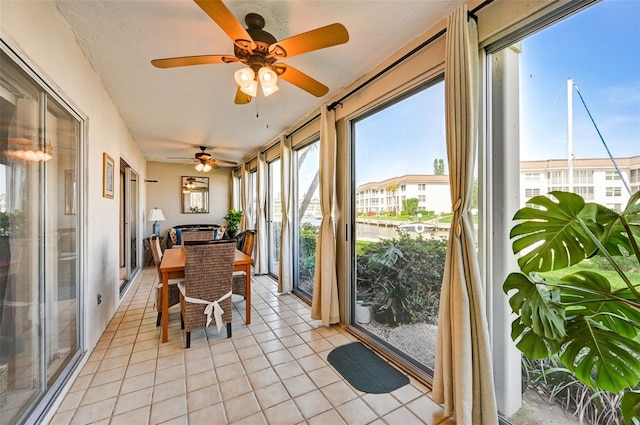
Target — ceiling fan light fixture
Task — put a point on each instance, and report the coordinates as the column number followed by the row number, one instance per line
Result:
column 268, row 91
column 199, row 167
column 206, row 168
column 251, row 89
column 267, row 77
column 244, row 76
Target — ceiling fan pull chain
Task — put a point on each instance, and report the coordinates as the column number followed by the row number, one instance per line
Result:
column 257, row 107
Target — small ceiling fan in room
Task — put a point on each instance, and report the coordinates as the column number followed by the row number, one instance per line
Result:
column 205, row 162
column 260, row 52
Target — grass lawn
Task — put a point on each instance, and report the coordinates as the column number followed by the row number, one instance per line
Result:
column 612, row 276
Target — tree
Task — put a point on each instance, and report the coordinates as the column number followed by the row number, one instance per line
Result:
column 393, row 189
column 410, row 206
column 438, row 167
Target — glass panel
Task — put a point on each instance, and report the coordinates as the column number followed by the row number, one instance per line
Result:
column 274, row 216
column 308, row 215
column 402, row 218
column 133, row 218
column 558, row 140
column 253, row 217
column 20, row 348
column 61, row 286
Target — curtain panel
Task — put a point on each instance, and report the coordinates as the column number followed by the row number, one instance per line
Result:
column 324, row 304
column 285, row 265
column 261, row 265
column 463, row 378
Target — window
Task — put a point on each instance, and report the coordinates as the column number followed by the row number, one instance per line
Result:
column 390, row 299
column 613, row 191
column 583, row 177
column 422, row 186
column 532, row 177
column 527, row 118
column 530, row 193
column 422, row 198
column 558, row 177
column 612, row 175
column 585, row 191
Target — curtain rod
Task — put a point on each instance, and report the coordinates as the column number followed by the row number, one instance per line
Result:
column 470, row 15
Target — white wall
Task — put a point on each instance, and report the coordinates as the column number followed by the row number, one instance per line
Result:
column 42, row 38
column 166, row 195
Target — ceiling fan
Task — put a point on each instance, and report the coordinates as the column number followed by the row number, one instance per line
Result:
column 205, row 162
column 260, row 52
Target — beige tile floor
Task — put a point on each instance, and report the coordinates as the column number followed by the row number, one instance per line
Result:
column 274, row 371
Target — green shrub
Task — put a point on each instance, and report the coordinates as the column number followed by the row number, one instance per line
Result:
column 401, row 278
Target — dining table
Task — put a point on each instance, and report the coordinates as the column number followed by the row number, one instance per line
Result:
column 172, row 267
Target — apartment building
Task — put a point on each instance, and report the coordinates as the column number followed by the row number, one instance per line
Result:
column 595, row 179
column 431, row 191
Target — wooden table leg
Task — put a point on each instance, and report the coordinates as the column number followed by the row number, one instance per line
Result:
column 248, row 292
column 165, row 307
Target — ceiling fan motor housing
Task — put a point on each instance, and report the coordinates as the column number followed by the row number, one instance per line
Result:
column 263, row 40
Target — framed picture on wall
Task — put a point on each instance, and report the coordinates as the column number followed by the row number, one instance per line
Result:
column 108, row 169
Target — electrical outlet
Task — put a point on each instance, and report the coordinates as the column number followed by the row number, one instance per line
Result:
column 99, row 298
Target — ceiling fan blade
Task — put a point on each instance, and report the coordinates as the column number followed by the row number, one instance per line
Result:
column 330, row 35
column 241, row 97
column 192, row 60
column 224, row 161
column 229, row 24
column 212, row 163
column 300, row 79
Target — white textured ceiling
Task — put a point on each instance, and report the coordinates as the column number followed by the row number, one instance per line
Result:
column 170, row 112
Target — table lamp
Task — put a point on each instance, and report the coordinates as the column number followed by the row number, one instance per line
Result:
column 156, row 215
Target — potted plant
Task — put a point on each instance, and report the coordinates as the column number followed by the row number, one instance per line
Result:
column 233, row 218
column 591, row 325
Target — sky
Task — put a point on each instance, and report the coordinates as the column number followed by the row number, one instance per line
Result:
column 599, row 48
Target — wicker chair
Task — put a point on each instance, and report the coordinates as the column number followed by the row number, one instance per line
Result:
column 174, row 293
column 208, row 271
column 196, row 236
column 245, row 243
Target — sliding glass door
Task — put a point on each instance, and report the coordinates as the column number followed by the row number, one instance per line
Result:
column 401, row 217
column 307, row 215
column 274, row 216
column 40, row 206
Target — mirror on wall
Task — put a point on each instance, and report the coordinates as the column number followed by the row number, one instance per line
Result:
column 195, row 195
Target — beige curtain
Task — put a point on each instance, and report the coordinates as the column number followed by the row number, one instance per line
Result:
column 244, row 196
column 261, row 265
column 285, row 265
column 324, row 304
column 463, row 378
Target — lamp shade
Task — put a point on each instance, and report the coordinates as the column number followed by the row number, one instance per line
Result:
column 244, row 76
column 156, row 215
column 251, row 89
column 268, row 77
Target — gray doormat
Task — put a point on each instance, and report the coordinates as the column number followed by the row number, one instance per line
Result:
column 365, row 370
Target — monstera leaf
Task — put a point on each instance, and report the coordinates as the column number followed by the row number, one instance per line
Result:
column 538, row 306
column 594, row 328
column 615, row 235
column 552, row 237
column 630, row 406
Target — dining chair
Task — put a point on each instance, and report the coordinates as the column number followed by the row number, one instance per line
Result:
column 174, row 292
column 205, row 293
column 197, row 235
column 239, row 279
